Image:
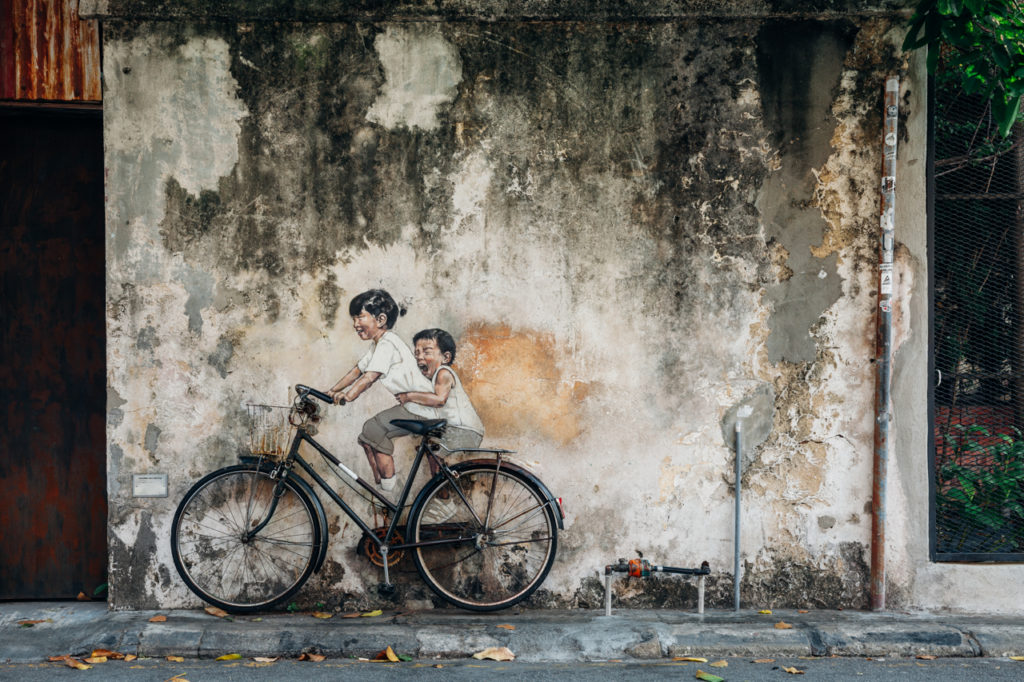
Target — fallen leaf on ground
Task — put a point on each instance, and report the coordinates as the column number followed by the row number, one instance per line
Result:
column 926, row 657
column 802, row 611
column 387, row 655
column 107, row 653
column 371, row 614
column 82, row 596
column 793, row 671
column 783, row 625
column 214, row 611
column 228, row 657
column 708, row 677
column 766, row 612
column 30, row 623
column 438, row 665
column 322, row 614
column 77, row 664
column 692, row 659
column 256, row 620
column 719, row 664
column 1017, row 658
column 160, row 618
column 128, row 658
column 266, row 659
column 763, row 660
column 351, row 615
column 507, row 627
column 316, row 658
column 175, row 659
column 495, row 653
column 96, row 659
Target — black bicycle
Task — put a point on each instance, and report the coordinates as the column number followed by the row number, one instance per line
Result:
column 482, row 532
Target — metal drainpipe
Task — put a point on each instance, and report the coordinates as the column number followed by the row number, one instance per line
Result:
column 883, row 345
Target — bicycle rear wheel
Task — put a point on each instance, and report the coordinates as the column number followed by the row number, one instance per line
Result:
column 224, row 567
column 488, row 555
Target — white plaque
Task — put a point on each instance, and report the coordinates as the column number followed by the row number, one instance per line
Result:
column 149, row 485
column 885, row 283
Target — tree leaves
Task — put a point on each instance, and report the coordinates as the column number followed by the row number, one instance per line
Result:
column 988, row 39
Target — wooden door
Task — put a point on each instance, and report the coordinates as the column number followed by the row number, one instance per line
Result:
column 53, row 510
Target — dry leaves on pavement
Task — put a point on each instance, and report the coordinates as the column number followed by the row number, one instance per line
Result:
column 719, row 664
column 495, row 653
column 175, row 659
column 214, row 611
column 506, row 627
column 33, row 623
column 159, row 618
column 692, row 659
column 793, row 671
column 229, row 657
column 708, row 677
column 107, row 653
column 783, row 625
column 316, row 658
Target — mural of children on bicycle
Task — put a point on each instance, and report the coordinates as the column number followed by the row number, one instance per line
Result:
column 424, row 383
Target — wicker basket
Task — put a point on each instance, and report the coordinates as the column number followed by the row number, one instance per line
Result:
column 270, row 432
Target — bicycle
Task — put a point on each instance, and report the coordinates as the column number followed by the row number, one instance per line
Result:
column 483, row 532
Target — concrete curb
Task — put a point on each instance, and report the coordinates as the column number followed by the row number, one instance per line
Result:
column 534, row 636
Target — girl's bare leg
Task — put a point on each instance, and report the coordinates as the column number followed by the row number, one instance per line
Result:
column 385, row 465
column 371, row 457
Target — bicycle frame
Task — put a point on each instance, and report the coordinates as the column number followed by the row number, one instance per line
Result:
column 383, row 543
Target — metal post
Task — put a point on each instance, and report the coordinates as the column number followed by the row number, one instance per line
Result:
column 608, row 593
column 883, row 344
column 736, row 529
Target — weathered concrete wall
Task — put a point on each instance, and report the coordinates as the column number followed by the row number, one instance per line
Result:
column 630, row 228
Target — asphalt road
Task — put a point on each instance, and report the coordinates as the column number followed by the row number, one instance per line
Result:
column 818, row 669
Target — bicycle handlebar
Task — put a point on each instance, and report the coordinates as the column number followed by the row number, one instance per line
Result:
column 306, row 390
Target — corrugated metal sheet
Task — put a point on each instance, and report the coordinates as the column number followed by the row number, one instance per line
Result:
column 47, row 53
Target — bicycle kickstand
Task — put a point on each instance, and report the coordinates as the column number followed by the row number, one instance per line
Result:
column 386, row 588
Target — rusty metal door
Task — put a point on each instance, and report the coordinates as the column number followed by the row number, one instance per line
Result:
column 53, row 510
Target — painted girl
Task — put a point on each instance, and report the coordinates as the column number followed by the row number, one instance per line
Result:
column 389, row 360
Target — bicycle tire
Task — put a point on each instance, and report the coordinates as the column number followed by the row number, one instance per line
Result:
column 244, row 576
column 497, row 566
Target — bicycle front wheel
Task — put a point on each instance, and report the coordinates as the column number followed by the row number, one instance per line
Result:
column 494, row 537
column 215, row 554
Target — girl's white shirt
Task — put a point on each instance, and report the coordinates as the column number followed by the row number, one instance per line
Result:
column 398, row 371
column 457, row 409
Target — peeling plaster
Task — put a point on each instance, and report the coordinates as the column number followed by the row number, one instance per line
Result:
column 422, row 71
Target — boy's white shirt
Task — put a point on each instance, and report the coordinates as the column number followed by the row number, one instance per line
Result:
column 458, row 410
column 398, row 371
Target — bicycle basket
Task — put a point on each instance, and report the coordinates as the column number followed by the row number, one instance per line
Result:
column 270, row 432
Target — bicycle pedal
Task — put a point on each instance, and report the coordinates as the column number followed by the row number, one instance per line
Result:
column 386, row 589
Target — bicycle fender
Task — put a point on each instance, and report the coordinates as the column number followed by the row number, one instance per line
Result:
column 301, row 483
column 545, row 493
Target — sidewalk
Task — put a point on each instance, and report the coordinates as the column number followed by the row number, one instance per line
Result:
column 549, row 636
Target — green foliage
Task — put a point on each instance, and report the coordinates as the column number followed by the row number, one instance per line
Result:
column 982, row 488
column 987, row 37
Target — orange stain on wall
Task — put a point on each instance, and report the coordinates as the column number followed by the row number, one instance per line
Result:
column 514, row 381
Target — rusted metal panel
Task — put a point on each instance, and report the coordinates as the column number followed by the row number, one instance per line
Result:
column 47, row 53
column 52, row 380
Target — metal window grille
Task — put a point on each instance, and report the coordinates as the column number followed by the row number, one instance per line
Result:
column 977, row 401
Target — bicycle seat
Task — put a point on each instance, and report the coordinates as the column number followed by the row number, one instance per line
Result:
column 420, row 428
